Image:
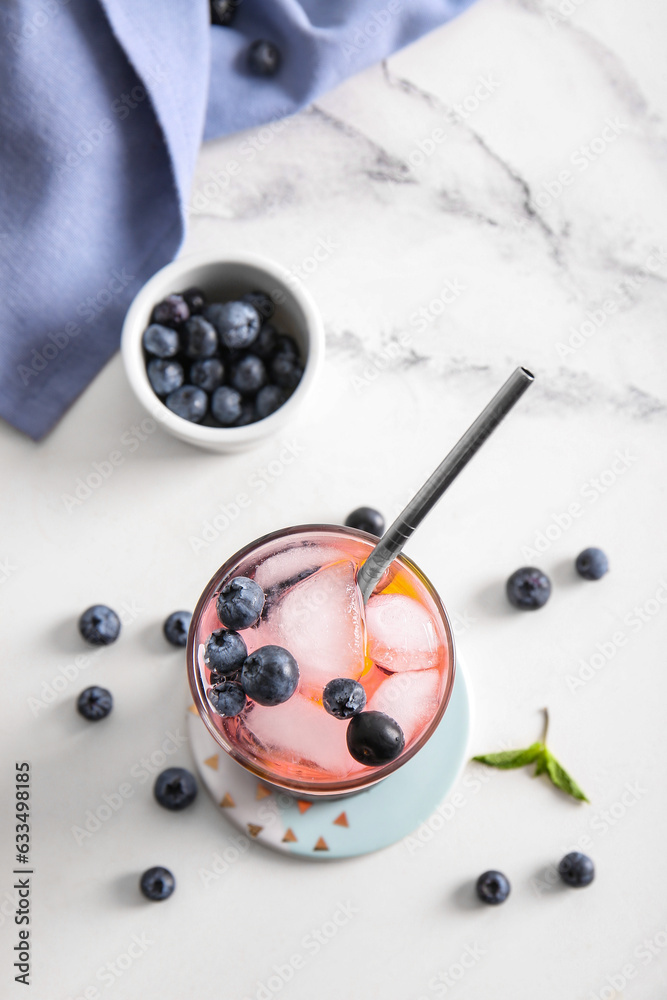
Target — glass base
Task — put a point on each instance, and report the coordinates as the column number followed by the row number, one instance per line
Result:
column 357, row 824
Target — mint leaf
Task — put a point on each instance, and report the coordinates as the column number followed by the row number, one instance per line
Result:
column 560, row 778
column 508, row 759
column 541, row 763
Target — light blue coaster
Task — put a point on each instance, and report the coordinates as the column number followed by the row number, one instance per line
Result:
column 362, row 823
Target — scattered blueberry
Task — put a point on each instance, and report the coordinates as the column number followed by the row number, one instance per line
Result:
column 99, row 625
column 201, row 339
column 240, row 603
column 286, row 371
column 576, row 869
column 188, row 402
column 94, row 703
column 265, row 344
column 592, row 564
column 176, row 627
column 270, row 675
column 249, row 375
column 343, row 697
column 161, row 341
column 195, row 299
column 175, row 788
column 225, row 652
column 262, row 303
column 208, row 374
column 268, row 400
column 172, row 311
column 263, row 58
column 164, row 375
column 223, row 12
column 492, row 887
column 157, row 883
column 374, row 738
column 237, row 323
column 228, row 698
column 226, row 405
column 366, row 519
column 528, row 588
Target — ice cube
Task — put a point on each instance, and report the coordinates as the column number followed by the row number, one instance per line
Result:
column 320, row 621
column 290, row 563
column 301, row 734
column 401, row 633
column 411, row 698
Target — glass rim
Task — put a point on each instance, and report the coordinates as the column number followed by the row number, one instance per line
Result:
column 315, row 789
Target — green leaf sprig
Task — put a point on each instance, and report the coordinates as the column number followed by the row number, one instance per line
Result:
column 543, row 759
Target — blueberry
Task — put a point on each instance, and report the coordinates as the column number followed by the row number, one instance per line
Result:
column 343, row 697
column 161, row 341
column 172, row 311
column 157, row 883
column 223, row 12
column 263, row 58
column 592, row 564
column 270, row 675
column 175, row 788
column 240, row 603
column 225, row 652
column 249, row 375
column 99, row 625
column 576, row 869
column 366, row 519
column 195, row 299
column 492, row 887
column 226, row 405
column 374, row 738
column 164, row 375
column 248, row 415
column 176, row 627
column 201, row 339
column 208, row 374
column 188, row 402
column 286, row 371
column 286, row 345
column 237, row 323
column 268, row 400
column 94, row 703
column 262, row 303
column 265, row 344
column 528, row 588
column 228, row 698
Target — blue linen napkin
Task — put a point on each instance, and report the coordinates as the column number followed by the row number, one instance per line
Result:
column 103, row 105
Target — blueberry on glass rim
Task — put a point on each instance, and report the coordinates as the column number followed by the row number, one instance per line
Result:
column 343, row 697
column 374, row 738
column 227, row 698
column 492, row 887
column 366, row 519
column 528, row 588
column 270, row 675
column 175, row 788
column 239, row 604
column 94, row 703
column 99, row 625
column 592, row 564
column 225, row 652
column 176, row 627
column 157, row 883
column 576, row 870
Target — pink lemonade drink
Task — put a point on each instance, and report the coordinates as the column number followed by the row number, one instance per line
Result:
column 399, row 648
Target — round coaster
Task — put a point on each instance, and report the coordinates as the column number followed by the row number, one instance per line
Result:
column 343, row 828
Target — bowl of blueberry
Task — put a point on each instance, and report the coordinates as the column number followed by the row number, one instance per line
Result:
column 222, row 351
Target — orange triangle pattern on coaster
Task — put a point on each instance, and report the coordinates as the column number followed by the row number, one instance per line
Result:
column 303, row 806
column 191, row 708
column 212, row 762
column 341, row 820
column 227, row 802
column 253, row 830
column 262, row 791
column 289, row 837
column 321, row 845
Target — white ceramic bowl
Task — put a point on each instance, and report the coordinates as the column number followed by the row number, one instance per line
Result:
column 223, row 278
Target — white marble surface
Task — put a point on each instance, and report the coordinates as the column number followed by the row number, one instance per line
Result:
column 522, row 266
